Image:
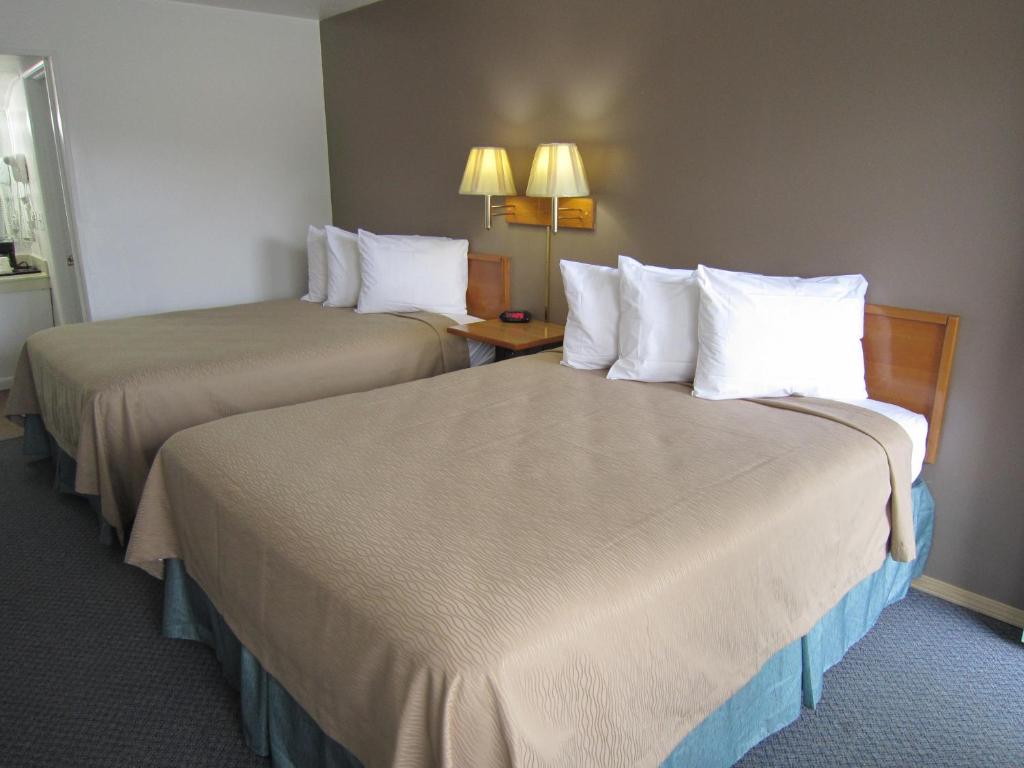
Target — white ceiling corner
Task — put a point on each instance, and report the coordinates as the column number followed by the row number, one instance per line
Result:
column 303, row 9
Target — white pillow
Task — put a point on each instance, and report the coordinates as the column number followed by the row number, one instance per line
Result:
column 592, row 328
column 777, row 336
column 342, row 268
column 658, row 323
column 316, row 256
column 406, row 273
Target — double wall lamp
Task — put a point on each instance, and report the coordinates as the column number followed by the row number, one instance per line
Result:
column 557, row 174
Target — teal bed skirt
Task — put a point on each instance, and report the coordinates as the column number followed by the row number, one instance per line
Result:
column 276, row 725
column 39, row 444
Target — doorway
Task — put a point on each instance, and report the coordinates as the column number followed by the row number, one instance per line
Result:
column 40, row 283
column 34, row 191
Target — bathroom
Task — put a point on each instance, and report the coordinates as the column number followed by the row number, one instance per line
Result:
column 39, row 282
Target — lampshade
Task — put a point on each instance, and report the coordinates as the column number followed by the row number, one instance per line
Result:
column 487, row 173
column 557, row 171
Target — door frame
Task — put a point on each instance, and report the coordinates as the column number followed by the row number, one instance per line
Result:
column 65, row 165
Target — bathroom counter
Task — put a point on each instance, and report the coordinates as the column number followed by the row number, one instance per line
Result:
column 39, row 281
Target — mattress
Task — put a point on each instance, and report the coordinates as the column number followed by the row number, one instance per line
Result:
column 506, row 584
column 274, row 724
column 914, row 424
column 110, row 393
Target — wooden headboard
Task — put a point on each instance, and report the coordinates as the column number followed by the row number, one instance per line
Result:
column 908, row 357
column 489, row 291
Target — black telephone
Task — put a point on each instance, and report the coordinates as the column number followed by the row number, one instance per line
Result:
column 514, row 316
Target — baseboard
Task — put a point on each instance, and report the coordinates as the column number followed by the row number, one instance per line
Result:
column 983, row 605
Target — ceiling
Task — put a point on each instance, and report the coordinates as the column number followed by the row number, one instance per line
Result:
column 305, row 9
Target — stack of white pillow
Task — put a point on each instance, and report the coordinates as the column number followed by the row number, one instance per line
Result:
column 387, row 273
column 732, row 334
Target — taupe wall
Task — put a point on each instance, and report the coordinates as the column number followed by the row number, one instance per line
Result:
column 781, row 137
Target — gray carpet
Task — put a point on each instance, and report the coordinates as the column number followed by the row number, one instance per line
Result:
column 7, row 429
column 931, row 685
column 86, row 679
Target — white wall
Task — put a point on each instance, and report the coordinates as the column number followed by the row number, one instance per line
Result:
column 22, row 313
column 196, row 146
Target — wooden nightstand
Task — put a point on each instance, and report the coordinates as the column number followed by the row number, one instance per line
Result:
column 512, row 339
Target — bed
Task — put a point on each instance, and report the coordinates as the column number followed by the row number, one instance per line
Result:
column 103, row 397
column 433, row 588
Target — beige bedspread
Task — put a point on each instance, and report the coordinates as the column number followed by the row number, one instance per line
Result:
column 523, row 564
column 112, row 392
